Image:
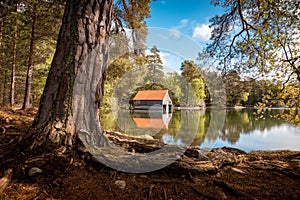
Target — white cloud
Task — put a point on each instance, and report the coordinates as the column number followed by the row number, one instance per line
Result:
column 175, row 31
column 183, row 23
column 202, row 32
column 174, row 34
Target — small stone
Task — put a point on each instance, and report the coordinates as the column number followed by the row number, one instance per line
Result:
column 35, row 170
column 121, row 184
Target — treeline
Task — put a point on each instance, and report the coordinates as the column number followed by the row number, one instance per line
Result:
column 128, row 74
column 259, row 92
column 28, row 34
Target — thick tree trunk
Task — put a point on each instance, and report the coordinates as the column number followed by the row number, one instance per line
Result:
column 27, row 102
column 1, row 34
column 3, row 84
column 13, row 65
column 85, row 27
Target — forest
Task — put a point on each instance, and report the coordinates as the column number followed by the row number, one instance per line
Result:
column 63, row 61
column 28, row 40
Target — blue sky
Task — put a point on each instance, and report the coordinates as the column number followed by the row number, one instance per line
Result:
column 184, row 16
column 180, row 28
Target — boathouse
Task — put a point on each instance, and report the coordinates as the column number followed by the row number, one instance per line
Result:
column 153, row 100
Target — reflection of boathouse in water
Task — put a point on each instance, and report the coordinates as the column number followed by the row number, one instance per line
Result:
column 153, row 100
column 152, row 119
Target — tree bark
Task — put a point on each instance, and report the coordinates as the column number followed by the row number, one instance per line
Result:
column 3, row 88
column 27, row 100
column 85, row 26
column 1, row 33
column 13, row 65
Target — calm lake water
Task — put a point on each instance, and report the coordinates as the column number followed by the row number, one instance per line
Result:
column 243, row 129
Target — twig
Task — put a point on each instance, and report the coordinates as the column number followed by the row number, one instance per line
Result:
column 165, row 194
column 191, row 177
column 175, row 189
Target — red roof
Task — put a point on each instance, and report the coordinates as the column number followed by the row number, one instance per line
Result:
column 150, row 95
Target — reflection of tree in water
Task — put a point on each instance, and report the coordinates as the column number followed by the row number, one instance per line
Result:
column 233, row 126
column 201, row 132
column 213, row 124
column 262, row 122
column 184, row 128
column 122, row 122
column 245, row 122
column 174, row 126
column 190, row 121
column 186, row 124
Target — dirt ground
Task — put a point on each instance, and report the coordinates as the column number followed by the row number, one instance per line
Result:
column 224, row 173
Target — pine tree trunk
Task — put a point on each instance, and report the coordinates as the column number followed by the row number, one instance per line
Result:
column 5, row 88
column 1, row 34
column 27, row 102
column 13, row 65
column 85, row 26
column 3, row 70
